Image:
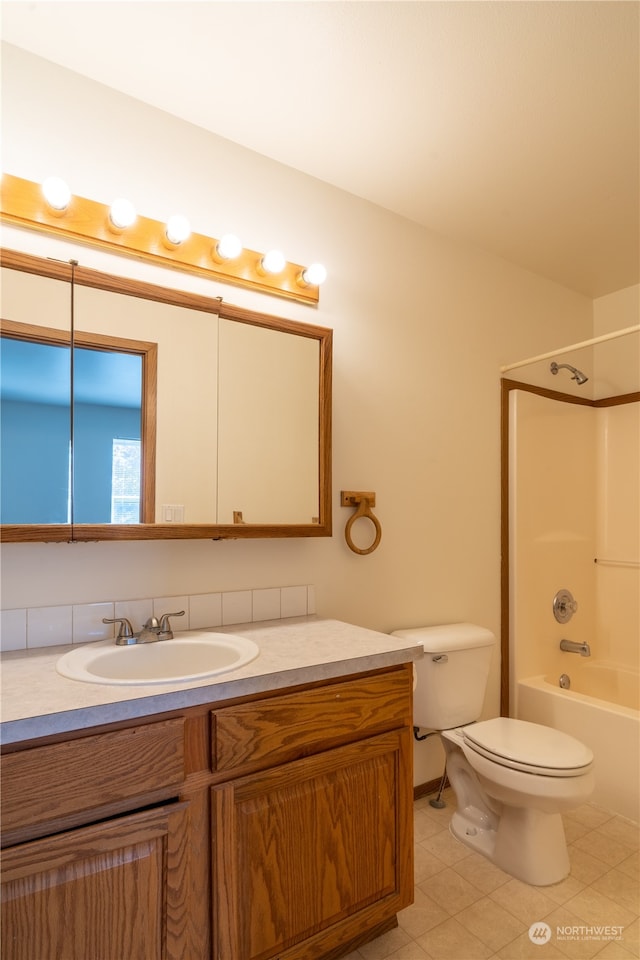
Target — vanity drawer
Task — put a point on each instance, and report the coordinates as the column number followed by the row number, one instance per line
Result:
column 281, row 728
column 49, row 783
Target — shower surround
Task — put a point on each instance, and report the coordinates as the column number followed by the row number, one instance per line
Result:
column 574, row 522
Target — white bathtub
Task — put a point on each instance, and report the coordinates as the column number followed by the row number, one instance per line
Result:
column 601, row 710
column 604, row 682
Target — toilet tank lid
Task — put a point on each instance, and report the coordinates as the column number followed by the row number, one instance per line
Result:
column 447, row 637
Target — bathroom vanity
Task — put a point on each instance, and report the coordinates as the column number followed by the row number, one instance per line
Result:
column 267, row 814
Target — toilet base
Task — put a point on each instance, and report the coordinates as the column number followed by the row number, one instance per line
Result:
column 526, row 843
column 469, row 831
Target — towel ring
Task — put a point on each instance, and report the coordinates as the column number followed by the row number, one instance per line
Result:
column 363, row 500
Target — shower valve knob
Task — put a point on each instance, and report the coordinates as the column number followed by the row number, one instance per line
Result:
column 564, row 606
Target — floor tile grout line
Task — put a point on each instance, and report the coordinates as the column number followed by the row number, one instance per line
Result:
column 458, row 865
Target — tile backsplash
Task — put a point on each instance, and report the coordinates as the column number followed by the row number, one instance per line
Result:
column 82, row 623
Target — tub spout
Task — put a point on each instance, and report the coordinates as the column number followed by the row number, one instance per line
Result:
column 572, row 647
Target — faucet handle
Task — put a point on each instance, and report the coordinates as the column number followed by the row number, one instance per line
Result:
column 125, row 630
column 564, row 606
column 165, row 626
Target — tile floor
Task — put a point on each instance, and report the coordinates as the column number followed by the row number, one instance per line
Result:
column 465, row 908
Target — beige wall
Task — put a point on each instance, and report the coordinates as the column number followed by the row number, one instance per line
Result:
column 616, row 311
column 421, row 328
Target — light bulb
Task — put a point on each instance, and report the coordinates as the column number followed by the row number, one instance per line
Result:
column 273, row 262
column 315, row 274
column 229, row 247
column 122, row 213
column 178, row 229
column 56, row 193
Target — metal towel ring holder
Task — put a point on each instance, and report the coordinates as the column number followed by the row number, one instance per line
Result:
column 363, row 500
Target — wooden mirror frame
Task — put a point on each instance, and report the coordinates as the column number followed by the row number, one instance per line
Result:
column 82, row 276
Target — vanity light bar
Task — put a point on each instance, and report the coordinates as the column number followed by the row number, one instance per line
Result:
column 86, row 221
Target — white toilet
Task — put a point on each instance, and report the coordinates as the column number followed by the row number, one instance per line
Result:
column 512, row 779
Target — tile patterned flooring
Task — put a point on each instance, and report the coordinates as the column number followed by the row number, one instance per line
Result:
column 465, row 908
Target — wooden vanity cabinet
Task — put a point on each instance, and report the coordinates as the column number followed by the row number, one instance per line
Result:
column 313, row 851
column 276, row 826
column 81, row 879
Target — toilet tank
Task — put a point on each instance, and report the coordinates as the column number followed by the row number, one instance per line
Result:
column 451, row 678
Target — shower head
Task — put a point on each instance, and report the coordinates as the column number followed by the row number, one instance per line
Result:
column 577, row 375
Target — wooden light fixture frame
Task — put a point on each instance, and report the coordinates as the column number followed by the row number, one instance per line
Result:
column 87, row 221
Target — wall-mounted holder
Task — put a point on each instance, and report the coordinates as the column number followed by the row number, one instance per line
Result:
column 363, row 500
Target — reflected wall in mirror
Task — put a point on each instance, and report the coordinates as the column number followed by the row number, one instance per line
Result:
column 267, row 446
column 229, row 411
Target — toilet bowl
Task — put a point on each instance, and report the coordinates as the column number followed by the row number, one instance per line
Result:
column 513, row 780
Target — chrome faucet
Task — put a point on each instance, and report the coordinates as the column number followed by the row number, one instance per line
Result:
column 571, row 646
column 152, row 631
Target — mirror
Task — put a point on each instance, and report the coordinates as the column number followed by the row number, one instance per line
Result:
column 35, row 431
column 233, row 426
column 108, row 466
column 270, row 470
column 61, row 422
column 23, row 297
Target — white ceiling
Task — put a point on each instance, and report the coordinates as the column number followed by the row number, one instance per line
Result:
column 510, row 125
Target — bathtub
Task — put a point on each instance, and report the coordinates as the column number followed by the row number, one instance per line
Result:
column 601, row 710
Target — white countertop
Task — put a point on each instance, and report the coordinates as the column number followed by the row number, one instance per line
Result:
column 37, row 701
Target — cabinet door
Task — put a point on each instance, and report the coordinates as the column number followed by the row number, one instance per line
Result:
column 313, row 852
column 110, row 891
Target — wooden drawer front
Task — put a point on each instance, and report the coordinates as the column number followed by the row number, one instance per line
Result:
column 48, row 783
column 285, row 727
column 112, row 890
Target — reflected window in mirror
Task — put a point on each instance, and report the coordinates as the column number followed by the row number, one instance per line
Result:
column 125, row 481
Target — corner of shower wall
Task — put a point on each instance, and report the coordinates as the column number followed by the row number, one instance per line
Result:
column 618, row 535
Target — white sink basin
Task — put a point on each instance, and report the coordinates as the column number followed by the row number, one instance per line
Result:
column 192, row 655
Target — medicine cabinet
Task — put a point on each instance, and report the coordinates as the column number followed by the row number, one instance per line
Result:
column 134, row 411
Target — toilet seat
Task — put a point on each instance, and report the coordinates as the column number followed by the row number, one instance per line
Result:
column 528, row 747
